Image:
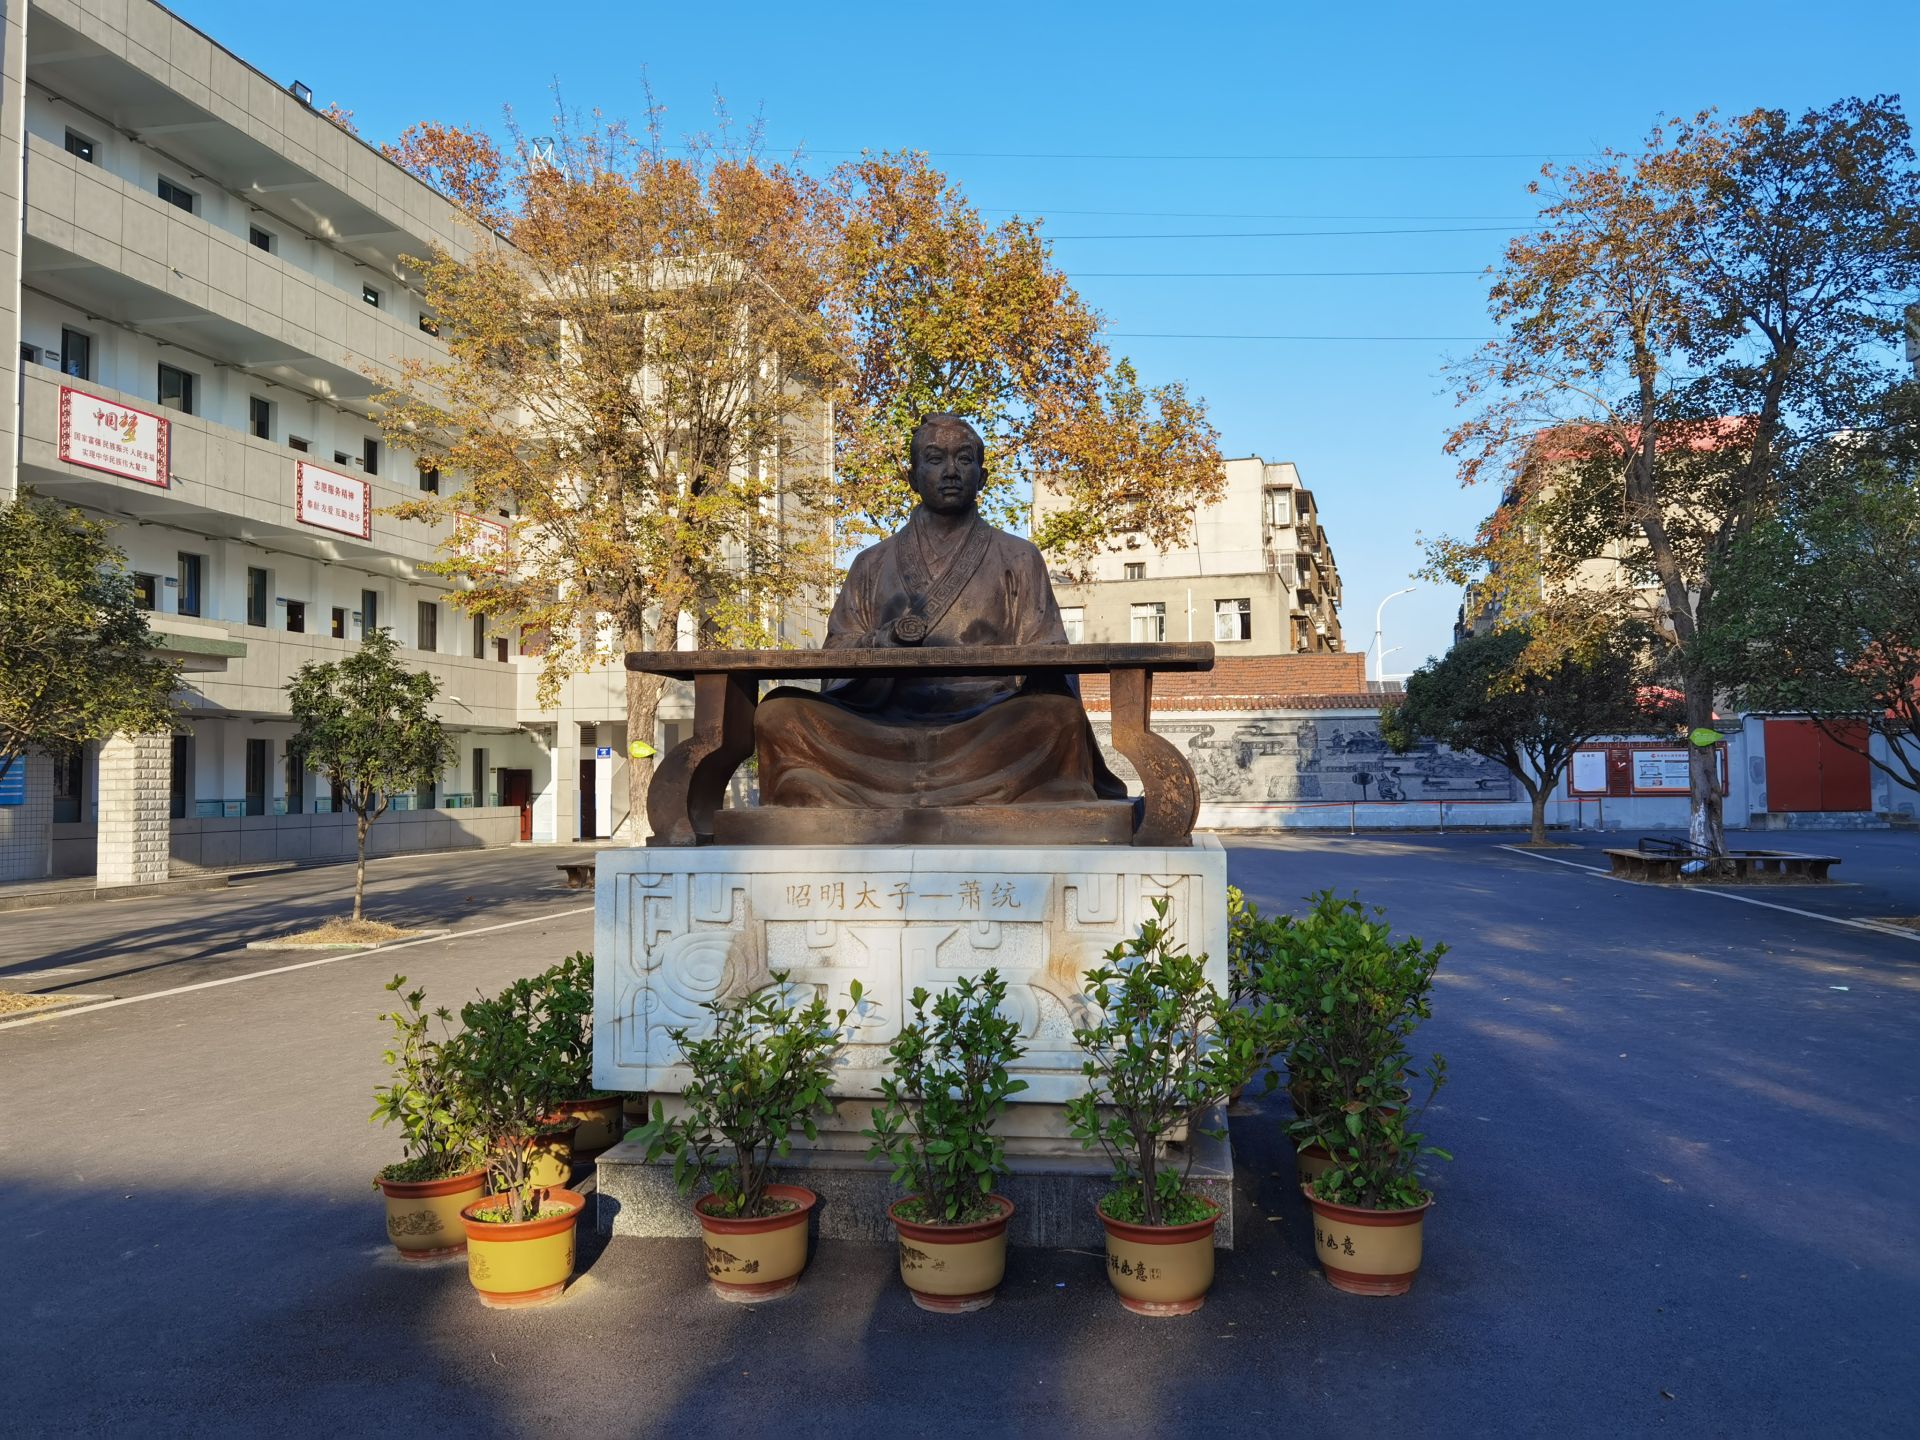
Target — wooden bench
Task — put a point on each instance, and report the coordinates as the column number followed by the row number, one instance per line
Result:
column 1753, row 866
column 689, row 782
column 579, row 874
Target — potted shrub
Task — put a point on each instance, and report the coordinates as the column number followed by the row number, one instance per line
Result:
column 1359, row 1001
column 758, row 1076
column 442, row 1170
column 566, row 1026
column 934, row 1124
column 1166, row 1048
column 1271, row 958
column 520, row 1238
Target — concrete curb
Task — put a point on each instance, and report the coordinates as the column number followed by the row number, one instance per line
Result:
column 411, row 937
column 89, row 894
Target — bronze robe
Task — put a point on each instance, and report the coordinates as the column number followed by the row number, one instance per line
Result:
column 961, row 740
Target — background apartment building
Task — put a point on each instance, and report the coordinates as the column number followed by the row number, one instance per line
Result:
column 204, row 273
column 1258, row 579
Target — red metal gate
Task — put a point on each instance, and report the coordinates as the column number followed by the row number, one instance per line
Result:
column 1808, row 769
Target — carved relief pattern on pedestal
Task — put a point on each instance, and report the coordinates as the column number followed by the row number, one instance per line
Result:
column 687, row 937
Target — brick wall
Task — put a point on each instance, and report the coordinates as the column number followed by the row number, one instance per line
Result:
column 1253, row 682
column 135, row 833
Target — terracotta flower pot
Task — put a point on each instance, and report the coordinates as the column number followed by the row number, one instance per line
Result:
column 753, row 1260
column 1310, row 1162
column 1160, row 1269
column 524, row 1264
column 598, row 1121
column 423, row 1216
column 1367, row 1252
column 954, row 1268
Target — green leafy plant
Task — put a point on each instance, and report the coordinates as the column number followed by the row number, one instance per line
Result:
column 948, row 1085
column 423, row 1097
column 1166, row 1048
column 511, row 1076
column 1358, row 996
column 758, row 1076
column 563, row 999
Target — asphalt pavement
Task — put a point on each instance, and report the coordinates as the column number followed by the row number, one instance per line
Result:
column 1686, row 1198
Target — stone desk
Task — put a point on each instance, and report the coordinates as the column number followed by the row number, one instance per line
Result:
column 683, row 804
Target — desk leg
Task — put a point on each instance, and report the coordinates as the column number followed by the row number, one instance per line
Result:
column 1166, row 779
column 692, row 780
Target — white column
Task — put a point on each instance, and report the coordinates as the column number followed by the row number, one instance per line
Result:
column 135, row 833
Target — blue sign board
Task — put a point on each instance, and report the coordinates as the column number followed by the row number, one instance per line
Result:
column 13, row 786
column 603, row 752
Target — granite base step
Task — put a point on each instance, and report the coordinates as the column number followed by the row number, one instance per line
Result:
column 1053, row 1195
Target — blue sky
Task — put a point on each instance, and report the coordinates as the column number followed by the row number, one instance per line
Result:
column 1048, row 110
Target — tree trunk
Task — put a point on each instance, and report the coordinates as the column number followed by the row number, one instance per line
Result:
column 643, row 710
column 360, row 825
column 1537, row 834
column 1705, row 823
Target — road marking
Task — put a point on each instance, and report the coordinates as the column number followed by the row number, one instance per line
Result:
column 1696, row 889
column 65, row 1011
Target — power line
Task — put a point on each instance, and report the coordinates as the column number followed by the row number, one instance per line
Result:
column 1232, row 215
column 1224, row 159
column 1290, row 234
column 1249, row 274
column 1145, row 335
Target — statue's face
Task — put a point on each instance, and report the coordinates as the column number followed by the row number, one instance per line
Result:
column 948, row 469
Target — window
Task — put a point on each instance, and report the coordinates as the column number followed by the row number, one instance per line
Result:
column 339, row 626
column 177, row 777
column 1233, row 619
column 500, row 650
column 30, row 354
column 256, row 596
column 428, row 325
column 1074, row 617
column 1279, row 507
column 430, row 479
column 260, row 417
column 341, row 457
column 176, row 389
column 69, row 785
column 299, row 442
column 76, row 354
column 429, row 626
column 370, row 295
column 479, row 635
column 1149, row 622
column 192, row 567
column 296, row 772
column 80, row 147
column 479, row 776
column 176, row 194
column 370, row 455
column 297, row 617
column 146, row 591
column 423, row 797
column 369, row 611
column 260, row 239
column 1134, row 570
column 258, row 752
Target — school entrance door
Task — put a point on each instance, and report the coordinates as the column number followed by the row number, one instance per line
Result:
column 1808, row 770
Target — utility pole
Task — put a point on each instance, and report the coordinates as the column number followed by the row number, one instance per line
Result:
column 1379, row 658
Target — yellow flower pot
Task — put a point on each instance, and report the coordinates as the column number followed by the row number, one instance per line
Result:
column 551, row 1163
column 1160, row 1269
column 524, row 1264
column 423, row 1216
column 599, row 1122
column 952, row 1269
column 753, row 1260
column 1367, row 1252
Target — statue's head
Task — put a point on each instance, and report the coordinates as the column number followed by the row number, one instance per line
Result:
column 949, row 464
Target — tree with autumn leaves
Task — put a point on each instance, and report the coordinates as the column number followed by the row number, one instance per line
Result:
column 688, row 375
column 1682, row 326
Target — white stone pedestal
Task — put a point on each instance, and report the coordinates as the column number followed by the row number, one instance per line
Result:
column 674, row 928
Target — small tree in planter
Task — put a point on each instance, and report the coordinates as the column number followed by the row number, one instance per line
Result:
column 564, row 999
column 948, row 1085
column 1166, row 1048
column 443, row 1169
column 760, row 1074
column 1360, row 996
column 520, row 1238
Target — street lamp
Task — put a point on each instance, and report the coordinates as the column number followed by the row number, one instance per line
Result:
column 1379, row 658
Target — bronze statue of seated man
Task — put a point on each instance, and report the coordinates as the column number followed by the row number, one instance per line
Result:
column 945, row 578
